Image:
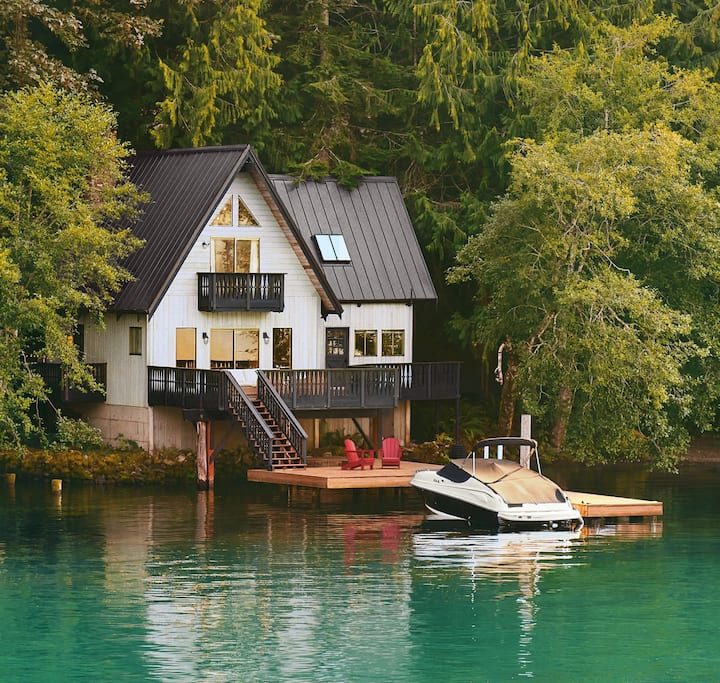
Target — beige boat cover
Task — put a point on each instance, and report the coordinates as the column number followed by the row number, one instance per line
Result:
column 514, row 483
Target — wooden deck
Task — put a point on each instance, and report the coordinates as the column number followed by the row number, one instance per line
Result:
column 592, row 506
column 332, row 477
column 595, row 506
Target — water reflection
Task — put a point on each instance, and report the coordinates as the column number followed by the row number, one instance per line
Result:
column 208, row 586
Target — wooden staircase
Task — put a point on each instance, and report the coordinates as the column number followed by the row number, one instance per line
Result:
column 262, row 430
column 283, row 453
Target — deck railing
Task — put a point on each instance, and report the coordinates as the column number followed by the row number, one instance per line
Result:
column 345, row 388
column 428, row 381
column 257, row 432
column 287, row 422
column 187, row 388
column 360, row 387
column 56, row 379
column 241, row 291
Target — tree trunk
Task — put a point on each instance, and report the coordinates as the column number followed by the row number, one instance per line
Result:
column 563, row 409
column 507, row 397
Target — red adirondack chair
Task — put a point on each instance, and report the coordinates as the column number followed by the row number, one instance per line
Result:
column 391, row 452
column 357, row 457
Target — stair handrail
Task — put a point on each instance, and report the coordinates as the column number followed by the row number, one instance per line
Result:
column 285, row 418
column 259, row 435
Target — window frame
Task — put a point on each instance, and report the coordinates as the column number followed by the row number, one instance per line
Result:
column 135, row 341
column 397, row 335
column 365, row 344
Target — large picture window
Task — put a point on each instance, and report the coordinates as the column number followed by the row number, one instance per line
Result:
column 365, row 343
column 234, row 349
column 236, row 256
column 393, row 343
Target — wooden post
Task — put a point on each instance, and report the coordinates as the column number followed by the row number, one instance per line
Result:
column 525, row 433
column 201, row 458
column 210, row 458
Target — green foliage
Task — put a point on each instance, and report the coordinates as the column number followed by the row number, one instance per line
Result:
column 595, row 267
column 222, row 74
column 61, row 188
column 38, row 39
column 71, row 433
column 125, row 466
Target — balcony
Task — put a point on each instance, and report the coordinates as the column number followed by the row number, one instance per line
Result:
column 366, row 387
column 60, row 388
column 241, row 292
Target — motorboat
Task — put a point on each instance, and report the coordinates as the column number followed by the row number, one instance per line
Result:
column 496, row 492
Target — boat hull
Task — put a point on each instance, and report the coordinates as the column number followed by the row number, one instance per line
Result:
column 531, row 502
column 446, row 508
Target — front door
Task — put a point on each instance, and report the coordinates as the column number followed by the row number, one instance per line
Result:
column 336, row 347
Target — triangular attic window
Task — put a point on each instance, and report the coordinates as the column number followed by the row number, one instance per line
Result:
column 245, row 217
column 225, row 215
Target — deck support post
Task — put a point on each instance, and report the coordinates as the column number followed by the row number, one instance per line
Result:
column 205, row 468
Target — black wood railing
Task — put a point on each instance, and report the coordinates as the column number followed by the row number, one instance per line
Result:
column 428, row 381
column 187, row 388
column 256, row 430
column 287, row 422
column 241, row 291
column 346, row 388
column 359, row 387
column 57, row 382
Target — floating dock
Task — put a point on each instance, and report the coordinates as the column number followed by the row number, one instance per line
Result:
column 592, row 506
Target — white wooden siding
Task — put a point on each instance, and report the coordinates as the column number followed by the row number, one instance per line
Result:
column 376, row 317
column 126, row 374
column 179, row 306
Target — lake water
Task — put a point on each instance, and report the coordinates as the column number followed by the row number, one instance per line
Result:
column 119, row 584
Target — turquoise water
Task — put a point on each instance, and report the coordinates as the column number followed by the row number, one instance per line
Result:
column 149, row 585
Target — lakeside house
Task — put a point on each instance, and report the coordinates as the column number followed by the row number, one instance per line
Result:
column 262, row 309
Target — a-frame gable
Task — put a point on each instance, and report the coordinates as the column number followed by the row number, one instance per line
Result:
column 186, row 187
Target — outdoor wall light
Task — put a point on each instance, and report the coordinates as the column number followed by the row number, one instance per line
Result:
column 205, row 338
column 266, row 337
column 205, row 245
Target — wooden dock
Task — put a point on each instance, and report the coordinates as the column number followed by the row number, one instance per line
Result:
column 592, row 506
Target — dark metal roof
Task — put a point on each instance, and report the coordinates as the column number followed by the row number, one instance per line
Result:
column 185, row 187
column 386, row 261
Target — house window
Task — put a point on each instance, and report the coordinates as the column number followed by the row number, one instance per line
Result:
column 366, row 342
column 234, row 213
column 236, row 256
column 234, row 349
column 282, row 347
column 136, row 341
column 185, row 356
column 332, row 248
column 393, row 343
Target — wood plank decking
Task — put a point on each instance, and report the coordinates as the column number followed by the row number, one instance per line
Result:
column 591, row 505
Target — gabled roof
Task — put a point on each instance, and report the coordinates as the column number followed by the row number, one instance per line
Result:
column 185, row 187
column 386, row 263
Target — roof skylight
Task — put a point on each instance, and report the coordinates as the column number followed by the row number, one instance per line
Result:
column 332, row 248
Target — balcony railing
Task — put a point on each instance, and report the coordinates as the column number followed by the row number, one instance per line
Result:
column 187, row 388
column 57, row 382
column 241, row 292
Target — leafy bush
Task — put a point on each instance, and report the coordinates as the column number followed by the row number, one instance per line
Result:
column 78, row 434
